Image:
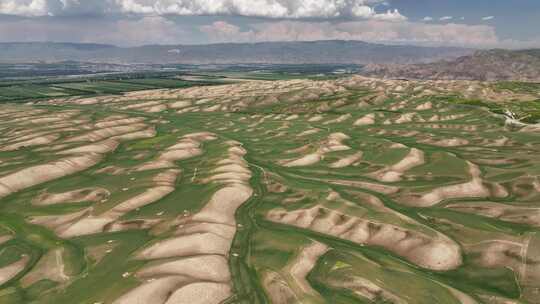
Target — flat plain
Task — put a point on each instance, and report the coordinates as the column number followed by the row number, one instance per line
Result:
column 346, row 190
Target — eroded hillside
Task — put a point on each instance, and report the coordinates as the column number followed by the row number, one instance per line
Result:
column 486, row 65
column 353, row 190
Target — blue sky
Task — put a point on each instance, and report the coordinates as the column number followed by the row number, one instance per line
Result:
column 517, row 19
column 478, row 23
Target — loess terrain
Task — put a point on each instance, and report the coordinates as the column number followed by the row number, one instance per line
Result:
column 487, row 65
column 350, row 190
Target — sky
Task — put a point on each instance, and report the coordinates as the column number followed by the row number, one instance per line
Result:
column 469, row 23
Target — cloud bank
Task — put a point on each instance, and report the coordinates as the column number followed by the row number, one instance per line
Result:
column 123, row 32
column 161, row 30
column 369, row 30
column 291, row 9
column 138, row 22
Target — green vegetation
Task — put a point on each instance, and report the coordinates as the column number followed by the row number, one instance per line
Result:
column 519, row 87
column 28, row 90
column 321, row 191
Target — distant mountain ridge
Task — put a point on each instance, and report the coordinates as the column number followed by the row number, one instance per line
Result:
column 315, row 52
column 486, row 65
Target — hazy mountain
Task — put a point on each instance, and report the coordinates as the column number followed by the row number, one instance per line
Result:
column 490, row 65
column 317, row 52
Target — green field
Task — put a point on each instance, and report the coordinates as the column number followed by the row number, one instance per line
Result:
column 26, row 90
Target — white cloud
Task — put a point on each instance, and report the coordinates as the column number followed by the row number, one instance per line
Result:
column 24, row 8
column 147, row 30
column 427, row 19
column 446, row 18
column 390, row 15
column 133, row 6
column 123, row 32
column 292, row 9
column 264, row 8
column 221, row 31
column 488, row 18
column 34, row 8
column 369, row 30
column 161, row 30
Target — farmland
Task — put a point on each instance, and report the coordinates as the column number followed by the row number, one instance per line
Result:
column 30, row 90
column 16, row 84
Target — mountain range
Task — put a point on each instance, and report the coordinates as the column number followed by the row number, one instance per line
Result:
column 315, row 52
column 485, row 65
column 378, row 60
